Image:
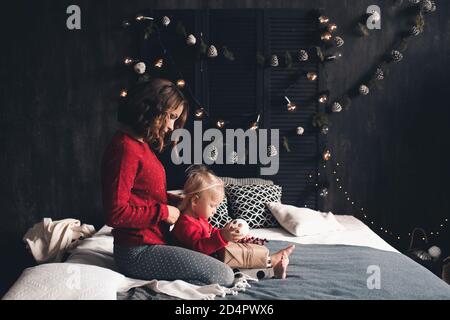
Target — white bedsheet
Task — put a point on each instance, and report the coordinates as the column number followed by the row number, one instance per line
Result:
column 356, row 233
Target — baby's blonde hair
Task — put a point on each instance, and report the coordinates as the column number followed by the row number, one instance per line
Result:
column 199, row 179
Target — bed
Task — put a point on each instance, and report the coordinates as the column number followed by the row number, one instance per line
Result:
column 337, row 265
column 354, row 263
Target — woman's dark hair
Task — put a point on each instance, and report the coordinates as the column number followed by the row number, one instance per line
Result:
column 145, row 110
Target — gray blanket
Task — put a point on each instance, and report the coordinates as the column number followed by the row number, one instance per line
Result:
column 338, row 272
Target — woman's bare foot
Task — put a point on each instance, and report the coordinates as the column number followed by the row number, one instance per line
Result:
column 276, row 257
column 280, row 269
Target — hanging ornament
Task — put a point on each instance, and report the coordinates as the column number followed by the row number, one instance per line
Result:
column 325, row 129
column 212, row 51
column 128, row 61
column 274, row 61
column 139, row 68
column 191, row 40
column 332, row 27
column 303, row 56
column 323, row 19
column 159, row 63
column 311, row 76
column 220, row 124
column 364, row 90
column 326, row 36
column 165, row 21
column 414, row 31
column 339, row 41
column 213, row 153
column 199, row 113
column 323, row 98
column 290, row 106
column 379, row 74
column 336, row 107
column 300, row 131
column 233, row 158
column 326, row 155
column 396, row 56
column 323, row 192
column 435, row 252
column 272, row 151
column 123, row 93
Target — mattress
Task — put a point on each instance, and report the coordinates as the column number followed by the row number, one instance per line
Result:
column 356, row 233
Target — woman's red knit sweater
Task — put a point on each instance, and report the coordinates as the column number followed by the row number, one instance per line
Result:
column 134, row 192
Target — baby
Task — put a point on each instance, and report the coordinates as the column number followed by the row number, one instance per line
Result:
column 203, row 194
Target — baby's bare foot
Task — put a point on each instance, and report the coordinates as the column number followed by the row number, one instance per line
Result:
column 280, row 269
column 276, row 257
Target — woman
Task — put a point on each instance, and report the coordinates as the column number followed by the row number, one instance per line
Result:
column 134, row 193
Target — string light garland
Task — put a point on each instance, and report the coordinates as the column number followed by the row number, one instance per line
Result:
column 360, row 211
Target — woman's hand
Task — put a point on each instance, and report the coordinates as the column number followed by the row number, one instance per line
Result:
column 174, row 199
column 228, row 233
column 174, row 214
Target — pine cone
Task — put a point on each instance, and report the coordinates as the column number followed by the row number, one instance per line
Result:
column 414, row 31
column 303, row 55
column 212, row 51
column 427, row 6
column 274, row 61
column 396, row 56
column 339, row 41
column 191, row 40
column 379, row 74
column 272, row 151
column 165, row 21
column 364, row 90
column 336, row 107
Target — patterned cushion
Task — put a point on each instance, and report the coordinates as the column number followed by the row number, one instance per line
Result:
column 245, row 181
column 221, row 218
column 248, row 202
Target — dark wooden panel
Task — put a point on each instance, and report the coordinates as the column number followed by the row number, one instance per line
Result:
column 291, row 31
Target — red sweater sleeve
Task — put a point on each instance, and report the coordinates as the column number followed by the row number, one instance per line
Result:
column 120, row 170
column 190, row 236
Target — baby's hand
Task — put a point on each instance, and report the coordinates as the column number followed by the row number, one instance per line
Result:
column 230, row 234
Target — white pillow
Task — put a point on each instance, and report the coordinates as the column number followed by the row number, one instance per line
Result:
column 66, row 281
column 304, row 221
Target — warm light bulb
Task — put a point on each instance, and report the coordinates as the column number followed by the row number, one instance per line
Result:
column 142, row 17
column 323, row 19
column 199, row 113
column 311, row 76
column 326, row 36
column 159, row 63
column 123, row 93
column 220, row 124
column 323, row 98
column 128, row 61
column 332, row 27
column 181, row 83
column 327, row 155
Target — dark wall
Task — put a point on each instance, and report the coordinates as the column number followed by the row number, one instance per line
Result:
column 58, row 102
